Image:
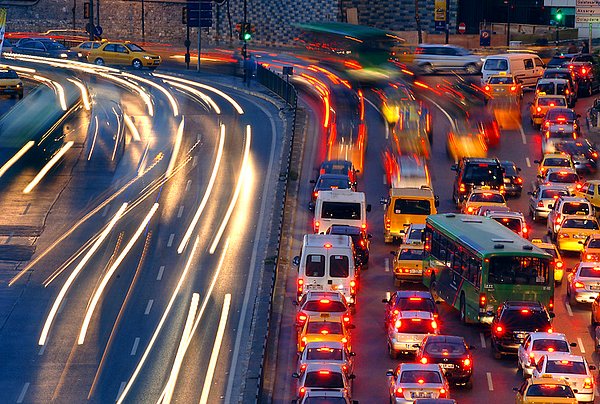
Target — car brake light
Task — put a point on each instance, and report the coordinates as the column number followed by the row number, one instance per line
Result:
column 499, row 329
column 346, row 319
column 487, row 88
column 398, row 324
column 396, row 311
column 327, row 245
column 398, row 392
column 595, row 155
column 588, row 256
column 559, row 264
column 303, row 367
column 551, row 104
column 461, row 188
column 324, row 332
column 539, row 109
column 324, row 301
column 550, row 330
column 563, row 235
column 578, row 186
column 316, row 193
column 301, row 392
column 587, row 383
column 540, row 204
column 583, row 70
column 482, row 300
column 303, row 341
column 302, row 317
column 300, row 286
column 362, row 243
column 561, row 119
column 531, row 359
column 442, row 392
column 519, row 180
column 424, row 360
column 344, row 340
column 567, row 92
column 324, row 372
column 434, row 325
column 579, row 285
column 470, row 209
column 513, row 88
column 525, row 230
column 353, row 287
column 317, row 225
column 415, row 299
column 467, row 362
column 551, row 303
column 421, row 381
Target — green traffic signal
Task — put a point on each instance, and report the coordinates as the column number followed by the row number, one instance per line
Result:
column 558, row 15
column 247, row 36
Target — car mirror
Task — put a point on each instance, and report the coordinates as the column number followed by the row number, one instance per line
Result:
column 383, row 200
column 552, row 314
column 573, row 344
column 351, row 377
column 575, row 391
column 295, row 375
column 389, row 373
column 296, row 260
column 436, row 201
column 416, row 346
column 352, row 353
column 592, row 367
column 368, row 207
column 311, row 206
column 537, row 161
column 454, row 167
column 519, row 169
column 578, row 115
column 357, row 171
column 295, row 302
column 313, row 181
column 472, row 347
column 369, row 236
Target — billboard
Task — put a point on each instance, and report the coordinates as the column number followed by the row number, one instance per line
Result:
column 440, row 10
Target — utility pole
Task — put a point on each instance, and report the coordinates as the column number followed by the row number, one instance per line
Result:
column 143, row 22
column 507, row 22
column 418, row 21
column 74, row 9
column 245, row 45
column 91, row 26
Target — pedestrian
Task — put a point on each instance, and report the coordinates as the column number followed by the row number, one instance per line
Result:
column 584, row 47
column 572, row 48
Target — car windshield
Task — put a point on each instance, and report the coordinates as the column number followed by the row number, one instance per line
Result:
column 552, row 102
column 415, row 304
column 134, row 48
column 510, row 170
column 525, row 320
column 580, row 224
column 329, row 182
column 335, row 168
column 448, row 348
column 576, row 208
column 495, row 64
column 590, row 272
column 566, row 366
column 324, row 354
column 557, row 162
column 514, row 224
column 563, row 178
column 551, row 251
column 412, row 206
column 501, row 80
column 553, row 193
column 324, row 327
column 594, row 243
column 553, row 345
column 325, row 305
column 557, row 61
column 341, row 210
column 518, row 270
column 550, row 390
column 547, row 88
column 420, row 377
column 486, row 197
column 486, row 174
column 8, row 74
column 415, row 234
column 411, row 254
column 324, row 379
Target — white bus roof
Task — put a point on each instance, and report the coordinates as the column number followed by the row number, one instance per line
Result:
column 321, row 240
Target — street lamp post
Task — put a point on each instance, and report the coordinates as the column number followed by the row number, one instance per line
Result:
column 507, row 2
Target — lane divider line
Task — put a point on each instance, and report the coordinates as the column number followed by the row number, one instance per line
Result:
column 386, row 264
column 180, row 212
column 136, row 343
column 569, row 310
column 580, row 344
column 160, row 272
column 528, row 162
column 148, row 307
column 23, row 392
column 482, row 339
column 489, row 380
column 170, row 241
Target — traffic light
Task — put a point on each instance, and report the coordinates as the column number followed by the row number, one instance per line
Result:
column 247, row 31
column 559, row 15
column 184, row 15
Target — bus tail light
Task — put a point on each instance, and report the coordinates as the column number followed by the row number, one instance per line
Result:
column 551, row 303
column 482, row 300
column 388, row 224
column 353, row 285
column 461, row 188
column 317, row 225
column 559, row 264
column 300, row 286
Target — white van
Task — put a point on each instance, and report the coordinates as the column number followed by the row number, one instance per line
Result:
column 340, row 206
column 326, row 263
column 527, row 67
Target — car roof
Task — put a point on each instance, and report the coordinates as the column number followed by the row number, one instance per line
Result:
column 429, row 45
column 538, row 96
column 569, row 198
column 475, row 160
column 547, row 335
column 416, row 226
column 557, row 169
column 411, row 246
column 564, row 356
column 329, row 175
column 482, row 191
column 424, row 315
column 549, row 380
column 446, row 338
column 542, row 244
column 588, row 265
column 510, row 214
column 562, row 110
column 551, row 80
column 419, row 366
column 556, row 155
column 507, row 162
column 582, row 217
column 325, row 344
column 314, row 295
column 522, row 304
column 413, row 293
column 557, row 70
column 316, row 366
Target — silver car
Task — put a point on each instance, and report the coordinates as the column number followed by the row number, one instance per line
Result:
column 408, row 330
column 319, row 376
column 563, row 176
column 432, row 57
column 537, row 344
column 330, row 352
column 412, row 381
column 541, row 201
column 584, row 283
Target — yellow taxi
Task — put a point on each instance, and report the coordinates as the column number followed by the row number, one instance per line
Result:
column 590, row 190
column 591, row 249
column 483, row 197
column 84, row 49
column 541, row 104
column 461, row 145
column 408, row 263
column 554, row 160
column 557, row 262
column 574, row 230
column 545, row 390
column 10, row 83
column 325, row 327
column 124, row 54
column 504, row 85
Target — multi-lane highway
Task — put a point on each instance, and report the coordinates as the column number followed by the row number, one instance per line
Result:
column 493, row 379
column 149, row 236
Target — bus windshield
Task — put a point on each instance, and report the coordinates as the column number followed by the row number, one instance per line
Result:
column 518, row 270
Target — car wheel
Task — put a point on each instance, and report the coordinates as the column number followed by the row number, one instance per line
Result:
column 136, row 64
column 427, row 68
column 433, row 291
column 463, row 310
column 471, row 69
column 99, row 62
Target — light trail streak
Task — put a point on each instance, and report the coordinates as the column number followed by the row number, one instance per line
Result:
column 110, row 272
column 76, row 271
column 229, row 99
column 84, row 93
column 36, row 180
column 236, row 194
column 159, row 326
column 160, row 88
column 96, row 124
column 196, row 93
column 132, row 128
column 211, row 183
column 176, row 147
column 16, row 157
column 118, row 136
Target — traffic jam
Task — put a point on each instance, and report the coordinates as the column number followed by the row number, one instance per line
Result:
column 496, row 254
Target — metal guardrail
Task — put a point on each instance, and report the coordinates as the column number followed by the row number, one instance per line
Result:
column 276, row 83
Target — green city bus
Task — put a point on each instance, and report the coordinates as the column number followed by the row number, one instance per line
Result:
column 475, row 264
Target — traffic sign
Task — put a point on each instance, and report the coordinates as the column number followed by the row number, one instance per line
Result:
column 485, row 37
column 440, row 25
column 98, row 30
column 199, row 13
column 462, row 28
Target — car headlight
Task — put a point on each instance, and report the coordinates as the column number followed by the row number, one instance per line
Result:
column 63, row 55
column 19, row 85
column 482, row 60
column 79, row 54
column 147, row 57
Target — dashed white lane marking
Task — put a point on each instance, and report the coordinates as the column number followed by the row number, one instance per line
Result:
column 482, row 338
column 580, row 344
column 188, row 184
column 148, row 307
column 136, row 342
column 195, row 161
column 121, row 388
column 489, row 380
column 569, row 311
column 180, row 212
column 522, row 134
column 386, row 264
column 170, row 242
column 528, row 162
column 160, row 272
column 105, row 210
column 23, row 392
column 26, row 209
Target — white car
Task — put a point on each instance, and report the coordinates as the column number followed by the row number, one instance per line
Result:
column 414, row 234
column 583, row 284
column 542, row 199
column 537, row 344
column 330, row 352
column 412, row 381
column 566, row 177
column 407, row 331
column 573, row 368
column 319, row 376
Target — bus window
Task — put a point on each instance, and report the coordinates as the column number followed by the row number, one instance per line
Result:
column 339, row 266
column 518, row 271
column 315, row 265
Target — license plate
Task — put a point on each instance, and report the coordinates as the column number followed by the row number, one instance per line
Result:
column 314, row 287
column 420, row 394
column 447, row 365
column 415, row 271
column 594, row 287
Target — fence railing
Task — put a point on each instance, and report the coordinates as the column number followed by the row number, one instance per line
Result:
column 278, row 84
